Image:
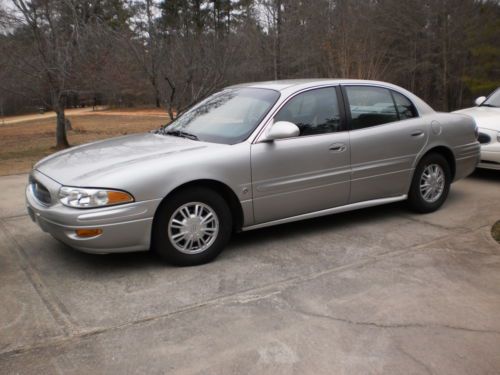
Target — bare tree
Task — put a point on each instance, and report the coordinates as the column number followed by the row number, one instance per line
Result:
column 273, row 20
column 146, row 44
column 55, row 32
column 173, row 52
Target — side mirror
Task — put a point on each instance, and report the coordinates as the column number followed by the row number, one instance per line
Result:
column 282, row 129
column 480, row 100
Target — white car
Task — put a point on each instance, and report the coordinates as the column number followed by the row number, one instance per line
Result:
column 486, row 113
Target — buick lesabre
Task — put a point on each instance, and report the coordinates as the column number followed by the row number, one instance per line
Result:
column 251, row 156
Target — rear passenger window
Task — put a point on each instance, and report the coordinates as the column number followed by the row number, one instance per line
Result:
column 370, row 106
column 405, row 108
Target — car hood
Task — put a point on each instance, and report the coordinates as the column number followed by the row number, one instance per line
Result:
column 485, row 117
column 79, row 166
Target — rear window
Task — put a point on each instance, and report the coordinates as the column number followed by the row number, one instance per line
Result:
column 370, row 106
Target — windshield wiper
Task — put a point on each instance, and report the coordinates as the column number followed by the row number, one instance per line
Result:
column 175, row 133
column 488, row 105
column 179, row 133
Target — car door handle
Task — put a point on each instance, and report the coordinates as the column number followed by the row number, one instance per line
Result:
column 417, row 133
column 338, row 147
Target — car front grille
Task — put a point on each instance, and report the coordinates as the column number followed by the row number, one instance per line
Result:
column 40, row 191
column 484, row 138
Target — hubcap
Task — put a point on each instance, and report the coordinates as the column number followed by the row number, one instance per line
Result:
column 193, row 228
column 432, row 183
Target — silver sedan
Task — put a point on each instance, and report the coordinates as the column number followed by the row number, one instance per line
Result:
column 252, row 156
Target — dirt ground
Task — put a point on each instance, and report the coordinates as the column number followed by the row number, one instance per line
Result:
column 26, row 139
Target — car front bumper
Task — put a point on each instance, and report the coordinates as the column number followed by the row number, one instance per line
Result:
column 490, row 152
column 124, row 227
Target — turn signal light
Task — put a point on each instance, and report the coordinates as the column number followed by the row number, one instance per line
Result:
column 88, row 232
column 116, row 197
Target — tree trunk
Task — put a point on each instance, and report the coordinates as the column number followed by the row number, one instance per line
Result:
column 170, row 108
column 154, row 84
column 61, row 138
column 277, row 46
column 444, row 52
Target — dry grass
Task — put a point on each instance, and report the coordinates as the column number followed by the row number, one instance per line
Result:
column 24, row 143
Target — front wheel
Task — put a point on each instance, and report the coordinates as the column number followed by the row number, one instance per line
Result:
column 430, row 184
column 192, row 227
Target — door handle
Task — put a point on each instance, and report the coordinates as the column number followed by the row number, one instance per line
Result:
column 417, row 133
column 338, row 147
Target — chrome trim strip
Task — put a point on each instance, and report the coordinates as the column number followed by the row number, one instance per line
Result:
column 382, row 174
column 389, row 162
column 275, row 184
column 329, row 211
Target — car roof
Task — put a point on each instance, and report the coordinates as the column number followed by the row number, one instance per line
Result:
column 281, row 85
column 290, row 86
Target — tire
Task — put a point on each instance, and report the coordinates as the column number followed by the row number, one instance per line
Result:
column 188, row 211
column 427, row 173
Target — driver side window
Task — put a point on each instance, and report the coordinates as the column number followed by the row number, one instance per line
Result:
column 314, row 112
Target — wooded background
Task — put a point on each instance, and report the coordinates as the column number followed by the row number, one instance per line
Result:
column 62, row 53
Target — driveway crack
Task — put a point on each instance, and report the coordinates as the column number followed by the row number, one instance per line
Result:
column 394, row 325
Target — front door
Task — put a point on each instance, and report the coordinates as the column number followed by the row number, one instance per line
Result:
column 307, row 173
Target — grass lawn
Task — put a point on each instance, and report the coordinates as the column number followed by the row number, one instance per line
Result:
column 23, row 143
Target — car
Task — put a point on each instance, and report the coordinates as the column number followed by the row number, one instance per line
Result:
column 251, row 156
column 486, row 113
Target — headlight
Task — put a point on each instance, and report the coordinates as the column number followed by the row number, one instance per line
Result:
column 89, row 198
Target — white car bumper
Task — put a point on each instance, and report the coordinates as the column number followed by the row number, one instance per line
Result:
column 490, row 149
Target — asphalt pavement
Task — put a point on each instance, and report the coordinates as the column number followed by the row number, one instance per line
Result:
column 376, row 291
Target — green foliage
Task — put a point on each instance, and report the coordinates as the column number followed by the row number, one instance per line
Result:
column 114, row 13
column 483, row 42
column 184, row 15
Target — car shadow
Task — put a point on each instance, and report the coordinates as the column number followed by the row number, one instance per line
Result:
column 311, row 226
column 455, row 195
column 149, row 261
column 138, row 260
column 246, row 240
column 486, row 175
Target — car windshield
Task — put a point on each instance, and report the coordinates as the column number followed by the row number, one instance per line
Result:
column 493, row 100
column 229, row 116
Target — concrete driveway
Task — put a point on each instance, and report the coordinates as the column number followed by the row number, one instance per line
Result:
column 377, row 291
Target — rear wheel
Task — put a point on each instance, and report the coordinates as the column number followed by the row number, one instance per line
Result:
column 192, row 227
column 430, row 184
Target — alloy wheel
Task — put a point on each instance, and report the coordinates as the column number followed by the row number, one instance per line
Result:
column 193, row 228
column 432, row 183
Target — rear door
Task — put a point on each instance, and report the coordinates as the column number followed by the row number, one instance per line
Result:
column 386, row 136
column 307, row 173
